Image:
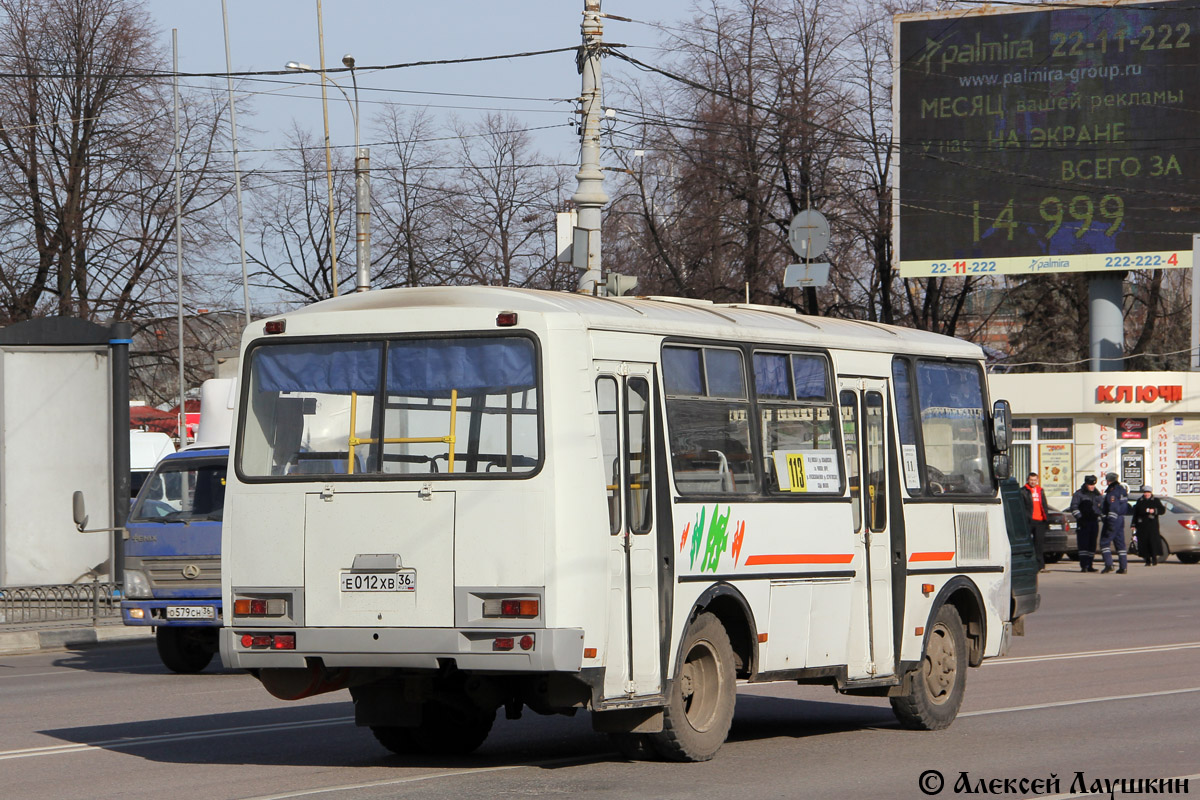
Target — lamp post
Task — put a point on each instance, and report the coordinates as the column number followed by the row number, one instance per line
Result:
column 362, row 180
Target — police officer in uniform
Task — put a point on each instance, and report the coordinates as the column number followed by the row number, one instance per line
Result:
column 1085, row 508
column 1114, row 508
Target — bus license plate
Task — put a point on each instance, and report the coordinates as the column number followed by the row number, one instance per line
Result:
column 191, row 612
column 404, row 580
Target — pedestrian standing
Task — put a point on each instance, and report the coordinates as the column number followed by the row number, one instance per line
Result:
column 1037, row 513
column 1114, row 508
column 1146, row 513
column 1085, row 508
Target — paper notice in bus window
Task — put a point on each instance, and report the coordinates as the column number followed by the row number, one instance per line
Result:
column 810, row 471
column 912, row 473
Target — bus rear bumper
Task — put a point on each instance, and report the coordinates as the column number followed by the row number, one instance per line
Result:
column 476, row 650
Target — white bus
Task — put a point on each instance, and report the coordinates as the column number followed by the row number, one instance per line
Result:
column 452, row 500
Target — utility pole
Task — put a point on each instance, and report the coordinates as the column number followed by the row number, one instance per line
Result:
column 589, row 197
column 237, row 171
column 178, row 239
column 328, row 155
column 362, row 195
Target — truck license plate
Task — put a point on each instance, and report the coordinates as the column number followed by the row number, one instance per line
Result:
column 191, row 612
column 404, row 580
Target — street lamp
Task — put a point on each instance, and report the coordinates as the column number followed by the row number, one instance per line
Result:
column 362, row 181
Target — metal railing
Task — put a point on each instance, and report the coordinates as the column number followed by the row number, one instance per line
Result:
column 71, row 602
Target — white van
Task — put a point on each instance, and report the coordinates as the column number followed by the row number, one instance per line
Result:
column 146, row 449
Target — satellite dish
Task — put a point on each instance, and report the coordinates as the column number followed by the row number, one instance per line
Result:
column 808, row 233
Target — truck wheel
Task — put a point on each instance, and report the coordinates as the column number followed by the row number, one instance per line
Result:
column 935, row 689
column 1053, row 558
column 633, row 746
column 185, row 650
column 700, row 705
column 445, row 730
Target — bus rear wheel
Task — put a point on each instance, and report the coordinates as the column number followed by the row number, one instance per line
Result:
column 446, row 730
column 185, row 650
column 935, row 689
column 700, row 706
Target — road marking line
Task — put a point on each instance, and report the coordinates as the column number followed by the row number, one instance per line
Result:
column 554, row 762
column 1122, row 651
column 136, row 741
column 1085, row 701
column 74, row 671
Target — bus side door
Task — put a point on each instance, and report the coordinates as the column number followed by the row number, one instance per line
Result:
column 624, row 393
column 864, row 414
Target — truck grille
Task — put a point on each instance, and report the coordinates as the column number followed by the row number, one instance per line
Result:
column 168, row 572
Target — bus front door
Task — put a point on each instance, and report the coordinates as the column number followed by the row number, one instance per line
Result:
column 625, row 400
column 864, row 413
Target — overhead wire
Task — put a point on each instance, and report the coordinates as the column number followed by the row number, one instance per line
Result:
column 331, row 70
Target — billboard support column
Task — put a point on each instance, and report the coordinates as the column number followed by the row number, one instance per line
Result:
column 120, row 337
column 1194, row 355
column 1107, row 322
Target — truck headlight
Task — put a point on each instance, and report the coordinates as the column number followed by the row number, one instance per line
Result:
column 137, row 584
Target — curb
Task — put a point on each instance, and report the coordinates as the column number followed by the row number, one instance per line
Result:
column 24, row 642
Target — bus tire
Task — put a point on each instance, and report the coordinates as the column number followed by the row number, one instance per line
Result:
column 935, row 689
column 700, row 704
column 184, row 650
column 445, row 730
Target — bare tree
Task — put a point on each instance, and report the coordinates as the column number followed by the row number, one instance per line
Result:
column 506, row 195
column 412, row 208
column 86, row 161
column 747, row 134
column 287, row 234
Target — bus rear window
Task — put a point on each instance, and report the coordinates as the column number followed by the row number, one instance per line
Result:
column 410, row 407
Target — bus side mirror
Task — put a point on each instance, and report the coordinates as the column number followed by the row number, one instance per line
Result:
column 1002, row 424
column 1001, row 466
column 78, row 510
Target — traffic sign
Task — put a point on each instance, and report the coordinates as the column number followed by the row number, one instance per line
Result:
column 803, row 275
column 808, row 233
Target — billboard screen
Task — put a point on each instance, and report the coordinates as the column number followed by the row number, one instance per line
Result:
column 1056, row 139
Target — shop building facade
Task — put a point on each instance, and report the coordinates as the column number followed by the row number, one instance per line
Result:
column 1144, row 426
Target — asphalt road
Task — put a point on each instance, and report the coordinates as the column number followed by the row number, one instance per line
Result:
column 1106, row 683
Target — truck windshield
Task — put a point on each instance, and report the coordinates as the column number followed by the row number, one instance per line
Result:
column 403, row 407
column 182, row 491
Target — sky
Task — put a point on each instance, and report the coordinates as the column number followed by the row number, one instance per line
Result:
column 266, row 34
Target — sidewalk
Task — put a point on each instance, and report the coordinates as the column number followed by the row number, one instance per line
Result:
column 19, row 639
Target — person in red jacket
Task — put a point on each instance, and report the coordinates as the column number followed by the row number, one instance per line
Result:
column 1037, row 512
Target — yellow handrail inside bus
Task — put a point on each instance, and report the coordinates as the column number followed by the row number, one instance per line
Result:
column 354, row 441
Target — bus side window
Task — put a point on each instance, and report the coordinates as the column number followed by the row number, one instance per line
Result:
column 708, row 415
column 606, row 402
column 637, row 453
column 848, row 401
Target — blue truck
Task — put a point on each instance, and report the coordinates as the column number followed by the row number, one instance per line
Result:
column 173, row 557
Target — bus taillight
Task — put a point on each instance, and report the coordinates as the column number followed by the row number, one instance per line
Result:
column 271, row 641
column 510, row 608
column 259, row 607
